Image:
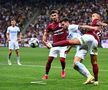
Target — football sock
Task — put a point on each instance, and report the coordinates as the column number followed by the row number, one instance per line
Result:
column 95, row 71
column 61, row 43
column 77, row 69
column 48, row 65
column 82, row 69
column 63, row 63
column 18, row 59
column 9, row 57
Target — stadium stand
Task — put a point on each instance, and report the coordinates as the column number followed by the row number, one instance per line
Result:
column 77, row 11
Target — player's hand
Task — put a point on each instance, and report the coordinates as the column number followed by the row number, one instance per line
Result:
column 19, row 39
column 67, row 51
column 8, row 40
column 48, row 45
column 45, row 43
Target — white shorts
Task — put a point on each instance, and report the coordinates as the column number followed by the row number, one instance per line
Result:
column 81, row 51
column 91, row 42
column 13, row 45
column 55, row 50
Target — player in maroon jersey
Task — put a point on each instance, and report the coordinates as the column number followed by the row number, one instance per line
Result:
column 90, row 39
column 58, row 34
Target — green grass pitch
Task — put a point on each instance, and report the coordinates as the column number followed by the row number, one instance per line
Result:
column 19, row 77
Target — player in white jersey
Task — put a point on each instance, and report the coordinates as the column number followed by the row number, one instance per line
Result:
column 73, row 32
column 81, row 51
column 13, row 35
column 90, row 39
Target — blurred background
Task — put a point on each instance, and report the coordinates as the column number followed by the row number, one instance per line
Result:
column 32, row 16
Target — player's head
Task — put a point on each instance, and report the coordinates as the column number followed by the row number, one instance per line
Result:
column 65, row 22
column 34, row 36
column 95, row 16
column 54, row 15
column 13, row 22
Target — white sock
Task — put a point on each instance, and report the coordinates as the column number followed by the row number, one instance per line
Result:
column 82, row 69
column 18, row 59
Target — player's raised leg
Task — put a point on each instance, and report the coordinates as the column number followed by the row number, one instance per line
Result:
column 65, row 43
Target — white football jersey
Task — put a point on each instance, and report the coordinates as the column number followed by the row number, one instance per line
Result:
column 73, row 31
column 13, row 32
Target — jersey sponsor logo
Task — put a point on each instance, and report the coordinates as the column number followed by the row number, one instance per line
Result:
column 58, row 32
column 70, row 36
column 13, row 31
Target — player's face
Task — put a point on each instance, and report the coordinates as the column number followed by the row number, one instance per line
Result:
column 65, row 24
column 95, row 16
column 54, row 17
column 13, row 23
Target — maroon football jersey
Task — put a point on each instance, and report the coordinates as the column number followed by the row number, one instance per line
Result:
column 58, row 32
column 94, row 32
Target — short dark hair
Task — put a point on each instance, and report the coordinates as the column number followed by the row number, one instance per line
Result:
column 13, row 19
column 54, row 11
column 65, row 19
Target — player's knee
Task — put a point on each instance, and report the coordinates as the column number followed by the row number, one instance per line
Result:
column 62, row 59
column 76, row 63
column 10, row 51
column 17, row 53
column 94, row 62
column 75, row 66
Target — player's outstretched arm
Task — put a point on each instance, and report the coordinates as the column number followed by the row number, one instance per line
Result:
column 19, row 36
column 7, row 36
column 45, row 39
column 102, row 24
column 89, row 27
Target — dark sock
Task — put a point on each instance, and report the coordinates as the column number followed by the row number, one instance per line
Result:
column 48, row 65
column 95, row 71
column 61, row 43
column 63, row 63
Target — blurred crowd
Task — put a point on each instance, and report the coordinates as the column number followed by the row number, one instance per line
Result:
column 77, row 12
column 8, row 10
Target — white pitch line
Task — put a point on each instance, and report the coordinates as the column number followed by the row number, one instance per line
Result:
column 38, row 82
column 52, row 66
